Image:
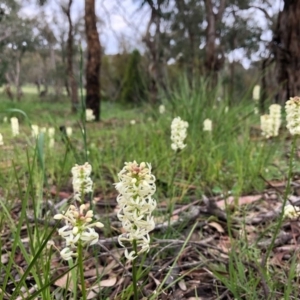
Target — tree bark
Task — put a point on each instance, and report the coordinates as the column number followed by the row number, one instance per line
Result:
column 212, row 61
column 286, row 50
column 93, row 60
column 70, row 53
column 157, row 65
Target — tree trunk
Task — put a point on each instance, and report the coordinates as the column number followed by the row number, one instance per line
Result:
column 212, row 61
column 286, row 50
column 71, row 78
column 93, row 60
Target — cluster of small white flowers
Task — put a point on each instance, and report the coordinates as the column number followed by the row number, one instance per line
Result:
column 275, row 115
column 266, row 126
column 82, row 183
column 78, row 229
column 136, row 187
column 89, row 115
column 256, row 93
column 291, row 212
column 69, row 131
column 207, row 125
column 1, row 140
column 270, row 124
column 292, row 108
column 161, row 109
column 132, row 122
column 34, row 131
column 51, row 133
column 14, row 126
column 178, row 133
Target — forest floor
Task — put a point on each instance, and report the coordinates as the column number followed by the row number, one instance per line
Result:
column 219, row 231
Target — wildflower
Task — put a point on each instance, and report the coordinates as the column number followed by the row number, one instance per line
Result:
column 69, row 131
column 5, row 120
column 51, row 132
column 82, row 183
column 291, row 212
column 207, row 125
column 132, row 122
column 34, row 130
column 226, row 109
column 178, row 133
column 136, row 187
column 67, row 254
column 275, row 115
column 1, row 140
column 256, row 92
column 292, row 108
column 51, row 143
column 161, row 109
column 79, row 228
column 14, row 126
column 43, row 129
column 89, row 115
column 256, row 111
column 266, row 126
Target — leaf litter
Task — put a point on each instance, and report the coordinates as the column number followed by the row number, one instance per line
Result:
column 223, row 225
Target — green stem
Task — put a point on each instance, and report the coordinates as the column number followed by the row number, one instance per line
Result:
column 80, row 266
column 287, row 191
column 134, row 272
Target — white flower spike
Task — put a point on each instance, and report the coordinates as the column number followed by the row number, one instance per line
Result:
column 292, row 108
column 136, row 187
column 178, row 133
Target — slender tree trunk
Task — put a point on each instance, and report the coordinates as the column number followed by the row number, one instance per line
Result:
column 70, row 53
column 286, row 50
column 212, row 61
column 93, row 59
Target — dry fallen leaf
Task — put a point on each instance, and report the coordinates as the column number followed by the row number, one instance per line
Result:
column 94, row 291
column 241, row 201
column 217, row 226
column 65, row 282
column 182, row 285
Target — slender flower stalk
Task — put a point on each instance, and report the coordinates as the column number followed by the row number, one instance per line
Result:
column 136, row 187
column 79, row 229
column 178, row 133
column 14, row 126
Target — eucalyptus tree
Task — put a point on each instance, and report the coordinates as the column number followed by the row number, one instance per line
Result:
column 285, row 47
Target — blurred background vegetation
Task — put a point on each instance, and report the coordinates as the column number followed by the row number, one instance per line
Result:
column 231, row 44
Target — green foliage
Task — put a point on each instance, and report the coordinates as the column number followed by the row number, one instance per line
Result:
column 133, row 85
column 228, row 160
